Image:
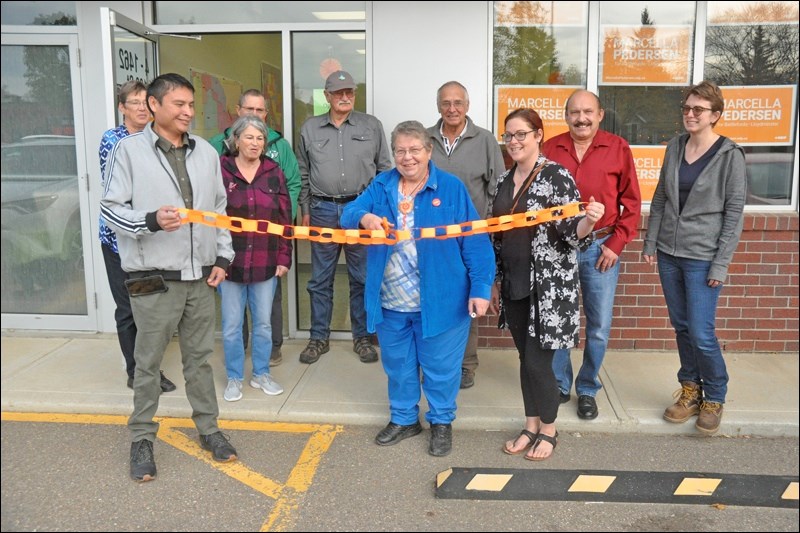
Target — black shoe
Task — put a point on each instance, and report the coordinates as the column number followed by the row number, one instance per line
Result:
column 467, row 378
column 587, row 407
column 277, row 357
column 313, row 350
column 166, row 384
column 441, row 439
column 563, row 397
column 218, row 445
column 394, row 433
column 130, row 382
column 143, row 464
column 366, row 352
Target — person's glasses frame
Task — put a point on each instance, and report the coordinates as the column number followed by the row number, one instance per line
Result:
column 696, row 110
column 447, row 104
column 518, row 135
column 414, row 152
column 136, row 103
column 255, row 110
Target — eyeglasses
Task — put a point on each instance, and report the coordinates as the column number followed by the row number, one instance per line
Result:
column 414, row 152
column 254, row 110
column 519, row 135
column 696, row 110
column 136, row 103
column 458, row 104
column 341, row 93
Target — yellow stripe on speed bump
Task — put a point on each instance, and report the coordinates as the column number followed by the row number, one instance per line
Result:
column 592, row 483
column 692, row 486
column 791, row 492
column 495, row 482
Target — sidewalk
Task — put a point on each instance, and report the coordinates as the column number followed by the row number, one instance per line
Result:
column 75, row 373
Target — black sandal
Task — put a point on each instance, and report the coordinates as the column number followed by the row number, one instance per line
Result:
column 544, row 438
column 531, row 441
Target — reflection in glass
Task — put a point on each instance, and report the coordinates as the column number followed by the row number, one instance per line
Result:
column 740, row 51
column 42, row 260
column 540, row 43
column 253, row 12
column 39, row 13
column 642, row 115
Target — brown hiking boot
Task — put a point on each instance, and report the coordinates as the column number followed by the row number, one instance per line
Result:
column 315, row 348
column 710, row 417
column 687, row 404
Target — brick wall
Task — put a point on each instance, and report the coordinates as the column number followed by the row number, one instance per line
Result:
column 758, row 308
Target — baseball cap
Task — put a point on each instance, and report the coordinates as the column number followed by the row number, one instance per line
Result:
column 339, row 80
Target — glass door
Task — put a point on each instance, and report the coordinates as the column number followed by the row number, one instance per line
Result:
column 45, row 226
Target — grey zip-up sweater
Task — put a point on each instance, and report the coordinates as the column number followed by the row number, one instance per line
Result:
column 710, row 224
column 139, row 181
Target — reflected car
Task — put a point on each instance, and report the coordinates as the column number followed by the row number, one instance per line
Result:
column 769, row 178
column 40, row 203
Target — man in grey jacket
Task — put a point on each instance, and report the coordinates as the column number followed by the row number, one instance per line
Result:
column 473, row 154
column 174, row 267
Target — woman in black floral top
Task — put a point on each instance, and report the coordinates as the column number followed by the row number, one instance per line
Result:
column 536, row 289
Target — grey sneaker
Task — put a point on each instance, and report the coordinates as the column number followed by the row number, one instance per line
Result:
column 267, row 384
column 233, row 391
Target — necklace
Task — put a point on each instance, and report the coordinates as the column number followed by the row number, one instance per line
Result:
column 406, row 203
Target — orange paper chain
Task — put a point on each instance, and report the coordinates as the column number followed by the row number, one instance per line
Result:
column 382, row 236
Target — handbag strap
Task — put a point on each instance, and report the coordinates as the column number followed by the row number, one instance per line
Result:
column 532, row 176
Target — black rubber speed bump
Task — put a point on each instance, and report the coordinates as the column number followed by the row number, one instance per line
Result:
column 618, row 486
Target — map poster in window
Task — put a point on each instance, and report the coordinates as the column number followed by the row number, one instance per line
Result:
column 645, row 55
column 215, row 100
column 648, row 161
column 758, row 115
column 547, row 100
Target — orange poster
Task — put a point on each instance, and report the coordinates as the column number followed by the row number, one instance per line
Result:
column 547, row 100
column 758, row 115
column 648, row 161
column 645, row 55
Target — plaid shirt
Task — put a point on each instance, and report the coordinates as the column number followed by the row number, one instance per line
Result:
column 266, row 198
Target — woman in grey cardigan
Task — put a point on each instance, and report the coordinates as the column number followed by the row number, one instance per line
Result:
column 696, row 218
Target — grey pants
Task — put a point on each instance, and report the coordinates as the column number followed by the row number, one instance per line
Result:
column 189, row 307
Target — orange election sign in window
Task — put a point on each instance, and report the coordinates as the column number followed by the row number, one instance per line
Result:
column 758, row 115
column 547, row 100
column 648, row 161
column 645, row 55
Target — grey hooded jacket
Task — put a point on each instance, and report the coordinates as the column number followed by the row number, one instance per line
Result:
column 710, row 224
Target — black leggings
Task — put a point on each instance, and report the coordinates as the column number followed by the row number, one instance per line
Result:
column 538, row 382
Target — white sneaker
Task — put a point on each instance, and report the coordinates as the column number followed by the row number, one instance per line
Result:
column 233, row 391
column 267, row 384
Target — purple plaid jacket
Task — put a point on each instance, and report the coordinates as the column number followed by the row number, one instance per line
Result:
column 266, row 198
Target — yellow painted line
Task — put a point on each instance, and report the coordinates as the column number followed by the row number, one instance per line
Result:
column 693, row 486
column 287, row 495
column 586, row 483
column 791, row 492
column 490, row 482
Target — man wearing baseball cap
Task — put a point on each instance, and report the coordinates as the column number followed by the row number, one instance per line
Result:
column 339, row 153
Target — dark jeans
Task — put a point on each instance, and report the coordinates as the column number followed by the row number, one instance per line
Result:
column 126, row 327
column 276, row 320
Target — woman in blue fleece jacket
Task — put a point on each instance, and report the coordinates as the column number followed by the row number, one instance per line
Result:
column 419, row 294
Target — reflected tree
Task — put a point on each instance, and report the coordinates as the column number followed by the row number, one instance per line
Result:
column 524, row 54
column 749, row 53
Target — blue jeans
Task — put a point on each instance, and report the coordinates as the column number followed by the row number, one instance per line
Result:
column 597, row 291
column 258, row 297
column 404, row 351
column 324, row 257
column 692, row 307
